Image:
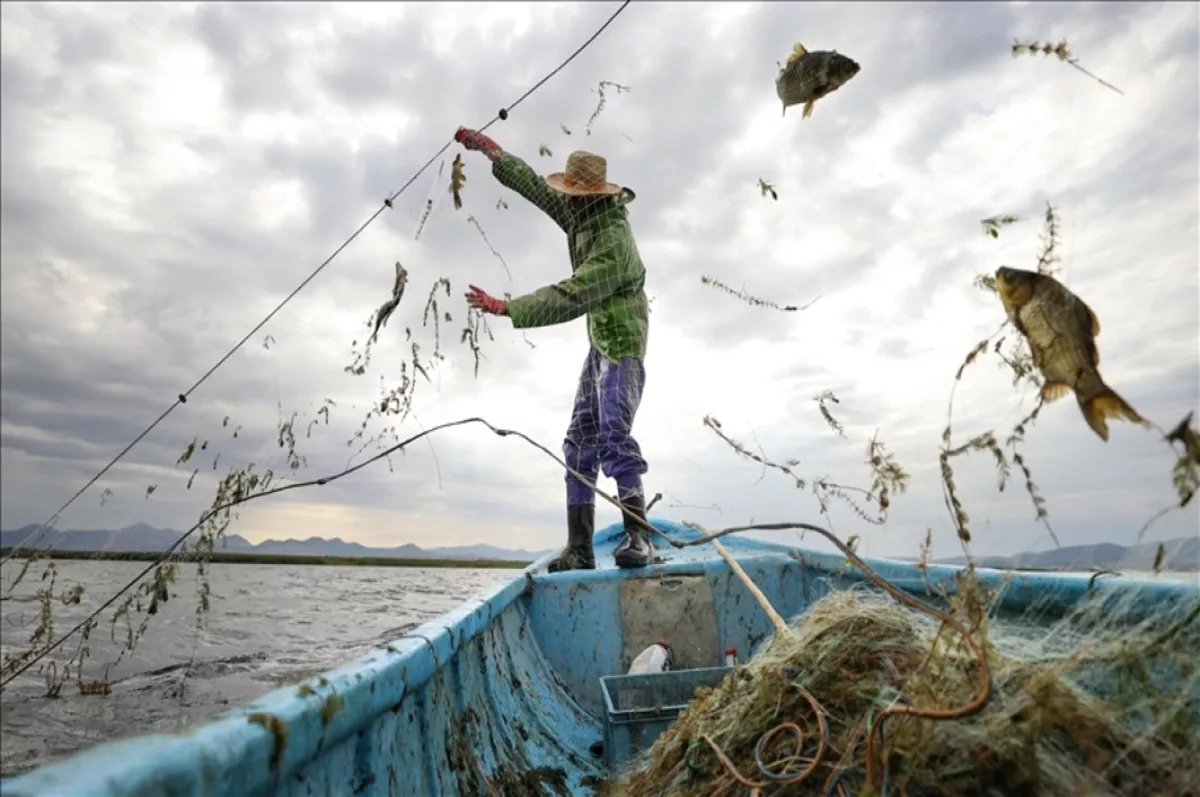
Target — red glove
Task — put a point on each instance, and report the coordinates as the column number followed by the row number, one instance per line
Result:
column 477, row 141
column 488, row 304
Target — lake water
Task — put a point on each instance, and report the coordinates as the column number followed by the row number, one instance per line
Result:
column 268, row 624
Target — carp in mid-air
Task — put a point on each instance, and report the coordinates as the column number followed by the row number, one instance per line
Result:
column 1061, row 330
column 807, row 77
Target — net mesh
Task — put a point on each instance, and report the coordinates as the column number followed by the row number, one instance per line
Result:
column 865, row 691
column 602, row 291
column 77, row 623
column 852, row 658
column 607, row 285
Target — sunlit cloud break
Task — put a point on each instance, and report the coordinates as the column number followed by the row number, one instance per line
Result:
column 170, row 173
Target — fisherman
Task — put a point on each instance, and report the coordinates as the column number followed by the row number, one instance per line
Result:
column 606, row 284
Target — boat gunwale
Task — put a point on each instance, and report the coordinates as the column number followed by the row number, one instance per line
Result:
column 1019, row 589
column 232, row 742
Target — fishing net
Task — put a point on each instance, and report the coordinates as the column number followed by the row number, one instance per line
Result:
column 606, row 285
column 845, row 664
column 600, row 288
column 867, row 692
column 78, row 624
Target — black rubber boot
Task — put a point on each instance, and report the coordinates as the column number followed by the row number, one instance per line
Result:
column 635, row 548
column 578, row 555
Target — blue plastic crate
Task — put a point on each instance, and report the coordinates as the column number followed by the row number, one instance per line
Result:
column 640, row 707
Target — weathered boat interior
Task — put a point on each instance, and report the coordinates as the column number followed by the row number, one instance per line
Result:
column 503, row 695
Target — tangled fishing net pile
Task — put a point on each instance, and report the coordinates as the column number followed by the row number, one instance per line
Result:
column 796, row 718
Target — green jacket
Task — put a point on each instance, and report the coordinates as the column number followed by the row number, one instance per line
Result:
column 607, row 277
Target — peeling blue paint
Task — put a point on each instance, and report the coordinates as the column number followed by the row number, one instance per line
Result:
column 524, row 661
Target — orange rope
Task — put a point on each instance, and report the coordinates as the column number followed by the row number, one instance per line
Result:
column 874, row 729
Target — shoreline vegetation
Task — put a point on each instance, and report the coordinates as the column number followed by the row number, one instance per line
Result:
column 226, row 557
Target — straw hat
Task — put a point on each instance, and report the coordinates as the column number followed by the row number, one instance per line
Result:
column 586, row 175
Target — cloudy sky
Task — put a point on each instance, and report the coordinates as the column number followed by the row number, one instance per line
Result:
column 170, row 172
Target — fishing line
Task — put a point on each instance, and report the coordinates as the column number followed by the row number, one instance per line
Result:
column 275, row 491
column 387, row 205
column 387, row 452
column 403, row 444
column 433, row 200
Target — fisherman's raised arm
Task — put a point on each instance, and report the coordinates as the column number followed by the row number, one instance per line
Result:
column 517, row 175
column 611, row 269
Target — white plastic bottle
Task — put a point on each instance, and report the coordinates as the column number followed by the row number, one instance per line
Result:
column 656, row 658
column 731, row 656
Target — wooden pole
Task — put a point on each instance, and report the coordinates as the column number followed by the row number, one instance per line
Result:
column 781, row 627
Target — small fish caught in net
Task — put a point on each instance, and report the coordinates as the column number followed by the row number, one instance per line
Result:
column 387, row 308
column 85, row 638
column 864, row 694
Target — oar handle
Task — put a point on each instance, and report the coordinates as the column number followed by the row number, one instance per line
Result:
column 781, row 627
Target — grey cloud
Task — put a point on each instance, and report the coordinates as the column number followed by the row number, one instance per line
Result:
column 17, row 85
column 249, row 43
column 657, row 182
column 204, row 275
column 895, row 347
column 1150, row 170
column 1173, row 392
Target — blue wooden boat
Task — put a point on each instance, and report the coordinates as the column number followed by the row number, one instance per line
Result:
column 519, row 667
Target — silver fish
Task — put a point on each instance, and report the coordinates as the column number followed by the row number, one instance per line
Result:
column 388, row 307
column 807, row 77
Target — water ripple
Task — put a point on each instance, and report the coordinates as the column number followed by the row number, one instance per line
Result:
column 270, row 626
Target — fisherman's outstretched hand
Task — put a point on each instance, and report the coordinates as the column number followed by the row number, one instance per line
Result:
column 477, row 141
column 489, row 304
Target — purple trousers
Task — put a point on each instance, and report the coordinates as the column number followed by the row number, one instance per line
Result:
column 601, row 421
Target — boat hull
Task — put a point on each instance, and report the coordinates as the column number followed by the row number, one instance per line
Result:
column 502, row 695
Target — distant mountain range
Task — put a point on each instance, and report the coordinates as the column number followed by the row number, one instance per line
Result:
column 1181, row 555
column 142, row 537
